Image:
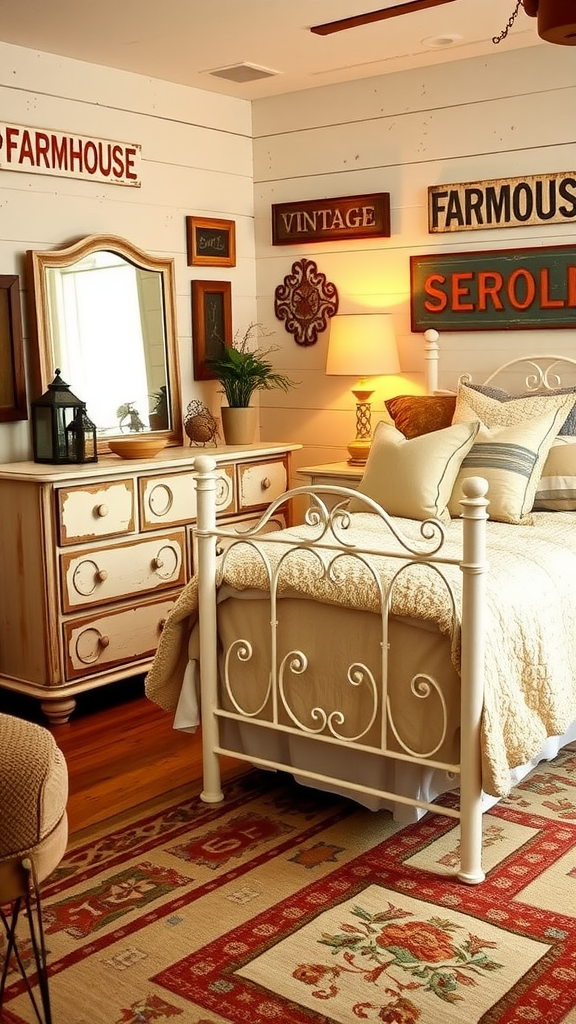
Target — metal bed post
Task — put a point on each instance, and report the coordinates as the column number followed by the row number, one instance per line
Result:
column 206, row 572
column 473, row 567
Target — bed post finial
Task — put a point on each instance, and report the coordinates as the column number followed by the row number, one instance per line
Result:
column 431, row 355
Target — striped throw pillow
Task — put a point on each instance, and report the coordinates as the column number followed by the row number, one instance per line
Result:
column 556, row 490
column 511, row 459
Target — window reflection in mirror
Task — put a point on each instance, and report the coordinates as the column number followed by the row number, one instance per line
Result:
column 103, row 312
column 109, row 340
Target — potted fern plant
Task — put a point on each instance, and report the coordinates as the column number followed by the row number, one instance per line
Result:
column 243, row 370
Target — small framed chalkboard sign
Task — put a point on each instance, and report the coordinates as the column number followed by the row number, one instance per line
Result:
column 211, row 243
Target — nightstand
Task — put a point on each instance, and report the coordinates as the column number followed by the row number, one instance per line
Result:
column 340, row 473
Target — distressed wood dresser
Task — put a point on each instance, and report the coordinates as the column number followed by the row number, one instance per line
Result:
column 93, row 557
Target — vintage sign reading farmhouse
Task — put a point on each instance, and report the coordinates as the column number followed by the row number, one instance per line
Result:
column 42, row 151
column 488, row 291
column 503, row 203
column 328, row 220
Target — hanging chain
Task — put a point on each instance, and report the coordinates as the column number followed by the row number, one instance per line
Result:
column 511, row 20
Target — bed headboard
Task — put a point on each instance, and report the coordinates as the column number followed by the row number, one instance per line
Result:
column 534, row 372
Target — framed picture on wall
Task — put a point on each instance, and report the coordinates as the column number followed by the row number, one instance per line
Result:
column 210, row 243
column 13, row 404
column 211, row 323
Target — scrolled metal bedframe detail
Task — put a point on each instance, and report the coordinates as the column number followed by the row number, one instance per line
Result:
column 328, row 544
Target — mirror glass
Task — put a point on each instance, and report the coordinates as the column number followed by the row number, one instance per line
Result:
column 105, row 317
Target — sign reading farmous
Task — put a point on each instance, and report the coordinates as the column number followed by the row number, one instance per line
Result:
column 329, row 220
column 493, row 290
column 503, row 203
column 42, row 151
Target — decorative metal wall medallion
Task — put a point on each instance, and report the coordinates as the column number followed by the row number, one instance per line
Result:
column 305, row 301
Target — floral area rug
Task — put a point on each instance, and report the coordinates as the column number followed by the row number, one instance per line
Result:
column 282, row 905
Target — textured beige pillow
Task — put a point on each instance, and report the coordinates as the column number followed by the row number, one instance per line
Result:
column 511, row 460
column 569, row 426
column 414, row 478
column 472, row 404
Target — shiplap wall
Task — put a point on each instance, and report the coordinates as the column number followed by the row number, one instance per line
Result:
column 196, row 159
column 501, row 116
column 496, row 117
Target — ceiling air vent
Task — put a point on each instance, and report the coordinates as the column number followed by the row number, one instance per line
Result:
column 243, row 73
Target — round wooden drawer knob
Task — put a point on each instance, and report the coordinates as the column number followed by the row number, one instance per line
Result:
column 266, row 483
column 104, row 641
column 102, row 575
column 102, row 510
column 157, row 562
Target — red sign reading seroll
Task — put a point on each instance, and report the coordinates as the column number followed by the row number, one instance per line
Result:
column 42, row 151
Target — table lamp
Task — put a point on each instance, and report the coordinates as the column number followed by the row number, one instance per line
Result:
column 362, row 345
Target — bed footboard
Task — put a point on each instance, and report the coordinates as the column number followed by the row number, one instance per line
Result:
column 329, row 551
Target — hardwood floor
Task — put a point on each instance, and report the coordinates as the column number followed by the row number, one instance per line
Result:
column 121, row 751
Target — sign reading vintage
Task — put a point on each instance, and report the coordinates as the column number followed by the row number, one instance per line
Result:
column 329, row 220
column 488, row 291
column 503, row 203
column 42, row 151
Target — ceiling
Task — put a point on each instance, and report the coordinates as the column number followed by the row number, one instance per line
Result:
column 183, row 41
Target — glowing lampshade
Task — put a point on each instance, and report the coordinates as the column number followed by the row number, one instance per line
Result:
column 362, row 345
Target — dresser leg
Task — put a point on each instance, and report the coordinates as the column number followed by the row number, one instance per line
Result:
column 58, row 711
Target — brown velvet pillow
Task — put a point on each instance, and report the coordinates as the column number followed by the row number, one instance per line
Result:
column 414, row 415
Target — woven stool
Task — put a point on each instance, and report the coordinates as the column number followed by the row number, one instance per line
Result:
column 33, row 838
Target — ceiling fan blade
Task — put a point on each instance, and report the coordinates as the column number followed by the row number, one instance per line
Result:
column 382, row 15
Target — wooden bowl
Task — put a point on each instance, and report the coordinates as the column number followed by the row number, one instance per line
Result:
column 137, row 447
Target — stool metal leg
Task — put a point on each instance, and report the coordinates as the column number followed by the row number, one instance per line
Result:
column 38, row 946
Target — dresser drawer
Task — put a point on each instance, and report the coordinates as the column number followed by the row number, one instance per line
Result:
column 98, row 575
column 114, row 638
column 259, row 483
column 100, row 510
column 171, row 500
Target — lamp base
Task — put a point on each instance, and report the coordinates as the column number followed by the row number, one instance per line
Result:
column 359, row 450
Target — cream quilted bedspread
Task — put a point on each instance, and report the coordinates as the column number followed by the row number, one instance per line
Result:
column 530, row 666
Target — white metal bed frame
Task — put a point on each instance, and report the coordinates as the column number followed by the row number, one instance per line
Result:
column 330, row 520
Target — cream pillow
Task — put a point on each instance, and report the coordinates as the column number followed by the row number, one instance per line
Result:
column 511, row 460
column 414, row 478
column 556, row 490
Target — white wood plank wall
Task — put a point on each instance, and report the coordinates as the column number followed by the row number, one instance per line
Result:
column 501, row 116
column 196, row 159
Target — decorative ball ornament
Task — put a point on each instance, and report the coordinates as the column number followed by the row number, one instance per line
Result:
column 200, row 425
column 305, row 301
column 556, row 20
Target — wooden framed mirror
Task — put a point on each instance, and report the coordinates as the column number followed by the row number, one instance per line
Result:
column 104, row 313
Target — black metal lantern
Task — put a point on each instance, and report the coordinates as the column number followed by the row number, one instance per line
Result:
column 61, row 430
column 81, row 437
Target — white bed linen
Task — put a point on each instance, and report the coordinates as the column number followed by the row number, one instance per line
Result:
column 519, row 720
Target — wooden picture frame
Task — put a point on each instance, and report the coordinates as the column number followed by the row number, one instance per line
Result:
column 13, row 404
column 211, row 323
column 210, row 243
